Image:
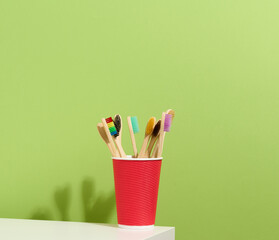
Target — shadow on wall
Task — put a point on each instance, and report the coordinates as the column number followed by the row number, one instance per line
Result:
column 62, row 201
column 96, row 208
column 41, row 214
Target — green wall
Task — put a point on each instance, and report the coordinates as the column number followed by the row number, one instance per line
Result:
column 66, row 64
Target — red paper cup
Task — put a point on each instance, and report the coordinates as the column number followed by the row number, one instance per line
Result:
column 136, row 183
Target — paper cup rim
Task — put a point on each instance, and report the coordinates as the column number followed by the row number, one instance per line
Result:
column 137, row 159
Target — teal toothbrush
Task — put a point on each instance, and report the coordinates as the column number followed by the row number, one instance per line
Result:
column 133, row 128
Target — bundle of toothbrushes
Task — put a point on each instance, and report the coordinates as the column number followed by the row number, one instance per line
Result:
column 136, row 178
column 152, row 147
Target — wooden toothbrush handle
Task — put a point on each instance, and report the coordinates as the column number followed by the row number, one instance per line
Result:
column 155, row 150
column 150, row 146
column 132, row 136
column 143, row 148
column 111, row 150
column 160, row 145
column 119, row 147
column 116, row 154
column 161, row 139
column 115, row 151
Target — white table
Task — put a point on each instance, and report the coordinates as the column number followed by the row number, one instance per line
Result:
column 13, row 229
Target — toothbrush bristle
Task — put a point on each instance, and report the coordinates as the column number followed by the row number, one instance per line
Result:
column 108, row 120
column 156, row 129
column 135, row 124
column 111, row 127
column 117, row 122
column 150, row 126
column 167, row 124
column 171, row 112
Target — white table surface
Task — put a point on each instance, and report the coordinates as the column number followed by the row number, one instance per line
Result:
column 13, row 229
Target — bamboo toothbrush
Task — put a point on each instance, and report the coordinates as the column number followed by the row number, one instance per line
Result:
column 104, row 136
column 133, row 128
column 116, row 152
column 110, row 126
column 118, row 125
column 148, row 131
column 154, row 137
column 160, row 146
column 168, row 120
column 171, row 112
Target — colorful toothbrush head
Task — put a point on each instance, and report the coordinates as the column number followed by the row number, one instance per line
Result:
column 167, row 123
column 150, row 126
column 117, row 123
column 135, row 124
column 156, row 129
column 111, row 126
